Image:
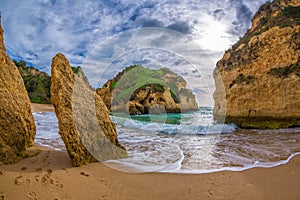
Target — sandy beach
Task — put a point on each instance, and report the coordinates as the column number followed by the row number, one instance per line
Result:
column 49, row 175
column 41, row 107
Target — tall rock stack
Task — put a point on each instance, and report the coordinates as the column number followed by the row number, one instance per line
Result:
column 17, row 127
column 258, row 79
column 83, row 119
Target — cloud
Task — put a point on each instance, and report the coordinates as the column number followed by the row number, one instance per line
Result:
column 151, row 23
column 242, row 20
column 181, row 27
column 219, row 14
column 36, row 30
column 153, row 48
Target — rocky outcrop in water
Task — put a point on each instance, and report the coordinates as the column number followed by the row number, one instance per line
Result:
column 84, row 123
column 138, row 90
column 17, row 127
column 258, row 79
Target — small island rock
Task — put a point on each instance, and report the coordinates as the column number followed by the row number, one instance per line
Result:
column 138, row 90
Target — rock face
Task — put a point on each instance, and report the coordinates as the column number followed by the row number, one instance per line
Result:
column 138, row 90
column 17, row 127
column 84, row 123
column 258, row 80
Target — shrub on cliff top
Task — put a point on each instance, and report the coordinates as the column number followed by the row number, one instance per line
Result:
column 75, row 69
column 291, row 11
column 286, row 71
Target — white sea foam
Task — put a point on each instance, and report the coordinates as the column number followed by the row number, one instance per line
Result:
column 47, row 130
column 193, row 129
column 193, row 145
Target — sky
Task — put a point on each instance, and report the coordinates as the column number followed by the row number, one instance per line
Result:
column 105, row 36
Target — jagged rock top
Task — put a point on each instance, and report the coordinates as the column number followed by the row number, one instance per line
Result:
column 283, row 15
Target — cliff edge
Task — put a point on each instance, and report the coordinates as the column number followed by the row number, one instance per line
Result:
column 258, row 79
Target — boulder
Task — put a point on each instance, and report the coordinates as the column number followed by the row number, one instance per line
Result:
column 83, row 119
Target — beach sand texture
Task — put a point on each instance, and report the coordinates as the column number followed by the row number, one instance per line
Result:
column 42, row 107
column 49, row 175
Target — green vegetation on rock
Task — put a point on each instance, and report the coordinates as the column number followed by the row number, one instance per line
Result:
column 291, row 11
column 286, row 71
column 37, row 83
column 158, row 87
column 113, row 85
column 75, row 69
column 263, row 122
column 257, row 80
column 136, row 77
column 288, row 17
column 138, row 90
column 242, row 79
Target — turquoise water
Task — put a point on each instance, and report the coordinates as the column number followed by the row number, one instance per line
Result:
column 186, row 143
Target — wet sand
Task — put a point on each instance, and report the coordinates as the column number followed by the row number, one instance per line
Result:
column 49, row 175
column 42, row 107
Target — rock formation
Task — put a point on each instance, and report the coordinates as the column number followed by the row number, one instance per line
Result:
column 138, row 90
column 17, row 127
column 83, row 119
column 258, row 79
column 37, row 83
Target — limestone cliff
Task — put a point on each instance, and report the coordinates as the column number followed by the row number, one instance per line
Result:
column 17, row 127
column 83, row 120
column 258, row 79
column 138, row 90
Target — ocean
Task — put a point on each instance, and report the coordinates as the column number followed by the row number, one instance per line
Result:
column 186, row 143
